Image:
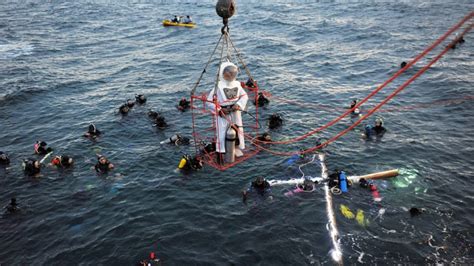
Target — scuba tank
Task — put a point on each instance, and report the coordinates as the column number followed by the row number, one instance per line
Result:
column 230, row 138
column 183, row 161
column 342, row 181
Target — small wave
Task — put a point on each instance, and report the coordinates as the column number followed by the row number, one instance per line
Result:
column 12, row 50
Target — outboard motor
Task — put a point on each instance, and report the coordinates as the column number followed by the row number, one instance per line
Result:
column 230, row 138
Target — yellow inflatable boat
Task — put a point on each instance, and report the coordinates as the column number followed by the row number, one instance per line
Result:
column 167, row 23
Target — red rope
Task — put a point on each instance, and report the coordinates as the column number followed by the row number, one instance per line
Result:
column 373, row 110
column 399, row 72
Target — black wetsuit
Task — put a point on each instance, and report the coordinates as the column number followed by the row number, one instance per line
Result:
column 275, row 121
column 30, row 169
column 102, row 168
column 379, row 131
column 261, row 100
column 261, row 189
column 65, row 161
column 183, row 104
column 160, row 122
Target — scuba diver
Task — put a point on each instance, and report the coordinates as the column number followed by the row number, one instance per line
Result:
column 92, row 132
column 124, row 109
column 190, row 163
column 153, row 261
column 260, row 186
column 251, row 83
column 160, row 121
column 183, row 104
column 12, row 207
column 130, row 103
column 306, row 186
column 265, row 137
column 140, row 99
column 177, row 140
column 4, row 160
column 41, row 149
column 275, row 121
column 62, row 161
column 103, row 165
column 31, row 167
column 414, row 211
column 261, row 100
column 356, row 111
column 152, row 114
column 375, row 131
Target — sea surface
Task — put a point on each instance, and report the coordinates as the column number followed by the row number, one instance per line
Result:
column 65, row 64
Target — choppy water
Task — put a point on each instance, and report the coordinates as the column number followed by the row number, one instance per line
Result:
column 63, row 65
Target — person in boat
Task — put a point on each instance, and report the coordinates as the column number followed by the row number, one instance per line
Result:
column 31, row 167
column 92, row 132
column 4, row 160
column 231, row 100
column 259, row 186
column 188, row 20
column 176, row 19
column 140, row 99
column 41, row 148
column 63, row 161
column 275, row 121
column 184, row 104
column 12, row 207
column 103, row 165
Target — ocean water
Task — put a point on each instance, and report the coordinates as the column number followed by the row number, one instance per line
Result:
column 64, row 64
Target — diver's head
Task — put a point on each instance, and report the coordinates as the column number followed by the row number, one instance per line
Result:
column 403, row 64
column 66, row 160
column 42, row 143
column 378, row 122
column 230, row 73
column 140, row 98
column 102, row 160
column 259, row 180
column 124, row 109
column 266, row 136
column 356, row 111
column 363, row 183
column 353, row 103
column 3, row 156
column 92, row 128
column 130, row 103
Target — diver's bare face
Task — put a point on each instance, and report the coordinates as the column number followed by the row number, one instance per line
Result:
column 229, row 76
